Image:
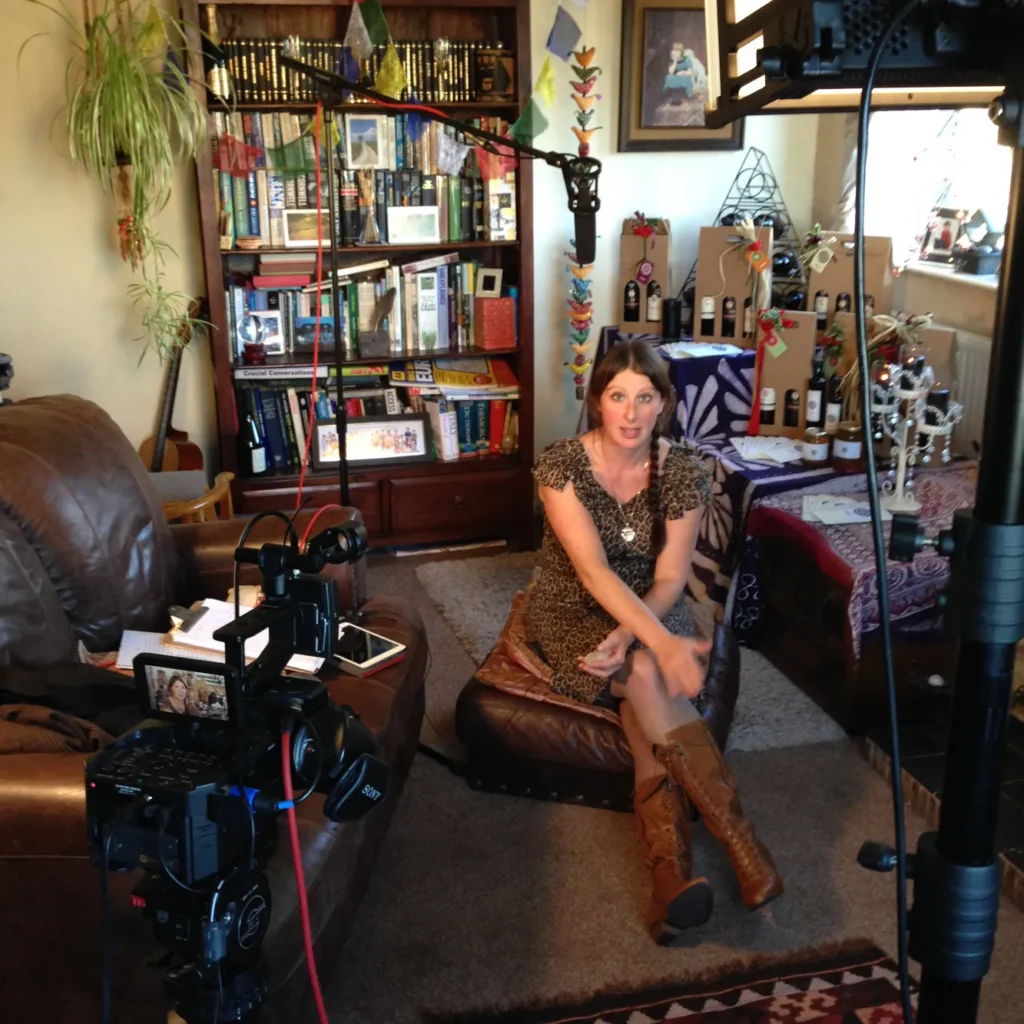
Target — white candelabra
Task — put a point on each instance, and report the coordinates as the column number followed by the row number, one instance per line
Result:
column 914, row 420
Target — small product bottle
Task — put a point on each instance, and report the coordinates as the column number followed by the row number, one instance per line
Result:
column 791, row 412
column 768, row 407
column 748, row 318
column 848, row 448
column 833, row 403
column 816, row 390
column 254, row 446
column 707, row 317
column 728, row 317
column 631, row 302
column 821, row 308
column 653, row 301
column 815, row 447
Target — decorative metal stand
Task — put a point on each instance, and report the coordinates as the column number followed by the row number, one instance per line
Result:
column 901, row 413
column 755, row 193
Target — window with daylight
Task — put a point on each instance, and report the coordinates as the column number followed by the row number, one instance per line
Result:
column 921, row 160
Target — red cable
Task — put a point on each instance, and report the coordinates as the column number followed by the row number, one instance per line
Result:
column 309, row 526
column 319, row 291
column 300, row 875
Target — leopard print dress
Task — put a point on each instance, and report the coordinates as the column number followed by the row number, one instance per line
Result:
column 563, row 620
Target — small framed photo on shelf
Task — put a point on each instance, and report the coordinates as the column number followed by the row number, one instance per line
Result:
column 300, row 228
column 488, row 283
column 945, row 227
column 262, row 327
column 374, row 440
column 413, row 225
column 365, row 140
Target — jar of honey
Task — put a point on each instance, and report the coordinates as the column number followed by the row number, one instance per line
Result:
column 848, row 448
column 815, row 447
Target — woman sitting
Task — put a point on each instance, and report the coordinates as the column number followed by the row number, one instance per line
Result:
column 622, row 510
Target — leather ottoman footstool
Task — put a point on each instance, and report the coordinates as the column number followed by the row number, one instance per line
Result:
column 524, row 740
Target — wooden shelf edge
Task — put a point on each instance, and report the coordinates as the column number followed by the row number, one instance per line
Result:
column 364, row 250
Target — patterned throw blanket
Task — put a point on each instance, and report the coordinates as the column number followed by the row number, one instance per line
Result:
column 33, row 729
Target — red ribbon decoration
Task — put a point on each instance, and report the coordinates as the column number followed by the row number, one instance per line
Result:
column 767, row 319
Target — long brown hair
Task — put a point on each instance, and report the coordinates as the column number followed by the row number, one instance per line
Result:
column 640, row 357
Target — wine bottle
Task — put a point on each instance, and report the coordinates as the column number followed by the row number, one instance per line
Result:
column 653, row 301
column 791, row 412
column 707, row 317
column 816, row 390
column 768, row 406
column 254, row 445
column 631, row 302
column 821, row 308
column 728, row 317
column 834, row 403
column 748, row 318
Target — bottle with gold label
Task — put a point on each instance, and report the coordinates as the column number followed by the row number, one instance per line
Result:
column 653, row 301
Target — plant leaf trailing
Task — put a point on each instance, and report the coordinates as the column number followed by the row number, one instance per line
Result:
column 131, row 118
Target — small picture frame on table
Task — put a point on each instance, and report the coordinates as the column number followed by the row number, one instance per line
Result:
column 374, row 441
column 488, row 283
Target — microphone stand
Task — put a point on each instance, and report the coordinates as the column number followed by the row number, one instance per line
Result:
column 580, row 174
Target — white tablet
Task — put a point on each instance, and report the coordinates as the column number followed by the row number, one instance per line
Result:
column 360, row 652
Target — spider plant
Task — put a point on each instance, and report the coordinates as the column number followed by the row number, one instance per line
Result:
column 131, row 117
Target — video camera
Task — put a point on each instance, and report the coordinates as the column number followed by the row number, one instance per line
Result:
column 192, row 795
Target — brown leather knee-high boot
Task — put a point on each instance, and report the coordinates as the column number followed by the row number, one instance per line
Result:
column 696, row 764
column 677, row 900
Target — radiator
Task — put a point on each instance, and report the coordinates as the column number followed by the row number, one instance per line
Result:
column 973, row 352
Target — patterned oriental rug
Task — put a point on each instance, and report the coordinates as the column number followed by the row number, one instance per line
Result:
column 853, row 985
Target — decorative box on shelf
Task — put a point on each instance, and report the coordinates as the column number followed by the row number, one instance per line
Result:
column 495, row 322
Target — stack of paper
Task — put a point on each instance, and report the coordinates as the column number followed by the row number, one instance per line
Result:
column 198, row 636
column 768, row 449
column 696, row 349
column 837, row 510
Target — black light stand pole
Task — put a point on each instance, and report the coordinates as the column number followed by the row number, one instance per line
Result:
column 956, row 878
column 340, row 415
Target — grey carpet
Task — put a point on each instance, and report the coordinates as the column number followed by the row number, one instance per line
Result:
column 481, row 901
column 474, row 596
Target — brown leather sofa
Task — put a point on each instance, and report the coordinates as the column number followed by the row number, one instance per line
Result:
column 85, row 553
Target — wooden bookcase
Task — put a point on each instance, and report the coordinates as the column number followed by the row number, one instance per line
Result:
column 482, row 498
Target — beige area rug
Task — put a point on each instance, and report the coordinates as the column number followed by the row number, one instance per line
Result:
column 474, row 596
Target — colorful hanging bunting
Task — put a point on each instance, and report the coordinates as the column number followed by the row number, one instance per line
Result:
column 545, row 84
column 357, row 38
column 235, row 157
column 317, row 130
column 451, row 155
column 580, row 300
column 391, row 78
column 564, row 35
column 530, row 123
column 373, row 19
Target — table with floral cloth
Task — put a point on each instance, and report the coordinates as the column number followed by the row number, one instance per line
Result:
column 846, row 554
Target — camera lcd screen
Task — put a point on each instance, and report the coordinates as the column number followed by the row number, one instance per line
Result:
column 187, row 693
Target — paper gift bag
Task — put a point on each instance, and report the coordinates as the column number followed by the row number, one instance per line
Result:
column 645, row 274
column 787, row 375
column 830, row 289
column 724, row 305
column 940, row 342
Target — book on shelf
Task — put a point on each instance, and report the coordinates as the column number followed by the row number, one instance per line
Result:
column 272, row 204
column 459, row 71
column 419, row 306
column 464, row 424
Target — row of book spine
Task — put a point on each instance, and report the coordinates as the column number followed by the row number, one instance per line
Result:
column 258, row 76
column 280, row 415
column 431, row 308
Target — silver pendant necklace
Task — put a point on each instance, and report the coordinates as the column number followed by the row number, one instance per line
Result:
column 627, row 533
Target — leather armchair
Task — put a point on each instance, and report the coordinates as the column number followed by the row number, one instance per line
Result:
column 86, row 552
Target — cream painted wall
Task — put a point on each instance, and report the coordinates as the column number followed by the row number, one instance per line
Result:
column 69, row 323
column 688, row 188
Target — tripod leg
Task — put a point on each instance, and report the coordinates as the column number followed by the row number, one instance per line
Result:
column 987, row 587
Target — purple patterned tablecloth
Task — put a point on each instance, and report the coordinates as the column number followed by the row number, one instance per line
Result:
column 846, row 553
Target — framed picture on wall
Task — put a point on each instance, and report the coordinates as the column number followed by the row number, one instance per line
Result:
column 664, row 84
